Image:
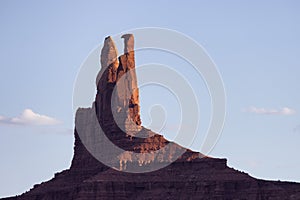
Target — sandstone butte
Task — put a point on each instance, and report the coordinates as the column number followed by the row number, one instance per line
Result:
column 190, row 176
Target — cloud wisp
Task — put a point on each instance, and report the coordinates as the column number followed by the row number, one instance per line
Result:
column 28, row 117
column 265, row 111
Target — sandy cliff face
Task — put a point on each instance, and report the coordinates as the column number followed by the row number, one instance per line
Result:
column 115, row 118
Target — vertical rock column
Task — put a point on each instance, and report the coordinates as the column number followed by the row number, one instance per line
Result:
column 106, row 81
column 127, row 88
column 119, row 75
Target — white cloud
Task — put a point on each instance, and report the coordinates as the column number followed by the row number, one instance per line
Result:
column 265, row 111
column 28, row 117
column 288, row 111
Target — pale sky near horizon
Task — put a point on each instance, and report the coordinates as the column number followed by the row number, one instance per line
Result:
column 255, row 45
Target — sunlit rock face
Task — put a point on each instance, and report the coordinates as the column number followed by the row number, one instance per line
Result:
column 117, row 90
column 114, row 118
column 116, row 115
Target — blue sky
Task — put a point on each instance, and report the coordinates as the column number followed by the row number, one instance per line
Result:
column 255, row 45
